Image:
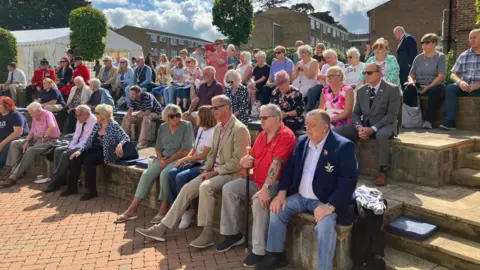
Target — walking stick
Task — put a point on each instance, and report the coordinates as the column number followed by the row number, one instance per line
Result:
column 247, row 209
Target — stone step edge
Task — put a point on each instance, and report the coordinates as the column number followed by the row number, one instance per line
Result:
column 398, row 260
column 474, row 156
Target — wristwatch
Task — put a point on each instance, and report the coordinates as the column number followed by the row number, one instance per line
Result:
column 331, row 207
column 267, row 185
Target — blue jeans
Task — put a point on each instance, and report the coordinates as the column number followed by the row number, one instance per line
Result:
column 452, row 92
column 324, row 230
column 4, row 154
column 169, row 94
column 158, row 90
column 177, row 178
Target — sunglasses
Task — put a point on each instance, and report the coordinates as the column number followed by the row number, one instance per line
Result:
column 368, row 72
column 188, row 62
column 265, row 117
column 123, row 62
column 278, row 52
column 426, row 42
column 216, row 44
column 216, row 108
column 63, row 61
column 175, row 115
column 229, row 82
column 331, row 76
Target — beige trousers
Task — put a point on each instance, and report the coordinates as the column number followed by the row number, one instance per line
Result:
column 53, row 108
column 13, row 91
column 147, row 125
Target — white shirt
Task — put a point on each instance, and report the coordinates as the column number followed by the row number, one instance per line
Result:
column 78, row 141
column 204, row 138
column 18, row 77
column 306, row 189
column 352, row 75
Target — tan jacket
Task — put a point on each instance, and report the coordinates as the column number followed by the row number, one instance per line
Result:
column 112, row 75
column 233, row 148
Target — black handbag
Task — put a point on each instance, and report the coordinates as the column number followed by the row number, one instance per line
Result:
column 129, row 152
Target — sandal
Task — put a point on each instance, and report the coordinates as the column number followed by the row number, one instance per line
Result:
column 124, row 218
column 157, row 219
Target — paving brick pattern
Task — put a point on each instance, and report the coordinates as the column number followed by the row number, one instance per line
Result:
column 45, row 231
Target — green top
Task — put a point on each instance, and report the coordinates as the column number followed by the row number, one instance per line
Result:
column 168, row 144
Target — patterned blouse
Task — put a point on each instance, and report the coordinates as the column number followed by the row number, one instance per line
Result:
column 114, row 135
column 240, row 103
column 335, row 103
column 292, row 100
column 391, row 65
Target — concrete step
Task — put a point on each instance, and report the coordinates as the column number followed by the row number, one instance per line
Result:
column 472, row 161
column 466, row 177
column 397, row 260
column 442, row 248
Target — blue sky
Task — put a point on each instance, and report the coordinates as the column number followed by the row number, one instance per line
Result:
column 193, row 17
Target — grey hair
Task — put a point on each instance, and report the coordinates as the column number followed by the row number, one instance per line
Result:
column 230, row 47
column 273, row 109
column 328, row 52
column 95, row 84
column 475, row 31
column 377, row 66
column 323, row 115
column 353, row 51
column 247, row 56
column 209, row 68
column 233, row 75
column 305, row 48
column 80, row 78
column 83, row 108
column 169, row 109
column 399, row 28
column 261, row 54
column 224, row 100
column 34, row 106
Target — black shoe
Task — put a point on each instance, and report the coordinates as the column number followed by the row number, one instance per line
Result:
column 229, row 242
column 272, row 261
column 68, row 192
column 87, row 196
column 252, row 259
column 51, row 188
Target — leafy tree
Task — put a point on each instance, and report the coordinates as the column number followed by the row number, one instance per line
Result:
column 88, row 34
column 37, row 14
column 303, row 7
column 268, row 4
column 8, row 47
column 271, row 54
column 234, row 19
column 477, row 3
column 451, row 58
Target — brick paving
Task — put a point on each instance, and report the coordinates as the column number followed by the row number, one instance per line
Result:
column 45, row 231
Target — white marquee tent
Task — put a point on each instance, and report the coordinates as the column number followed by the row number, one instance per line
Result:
column 33, row 45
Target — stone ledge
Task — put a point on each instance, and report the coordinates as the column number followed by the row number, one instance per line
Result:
column 468, row 113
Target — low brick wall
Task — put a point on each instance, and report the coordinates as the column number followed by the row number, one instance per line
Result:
column 468, row 113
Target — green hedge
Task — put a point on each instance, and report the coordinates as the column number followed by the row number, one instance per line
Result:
column 451, row 58
column 8, row 49
column 88, row 34
column 291, row 52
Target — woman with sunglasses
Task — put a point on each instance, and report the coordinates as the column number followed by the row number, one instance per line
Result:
column 174, row 141
column 388, row 62
column 337, row 98
column 282, row 62
column 193, row 77
column 124, row 81
column 218, row 60
column 188, row 167
column 64, row 73
column 427, row 78
column 238, row 94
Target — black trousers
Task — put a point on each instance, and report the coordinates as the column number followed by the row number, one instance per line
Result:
column 265, row 94
column 29, row 90
column 69, row 117
column 90, row 159
column 434, row 95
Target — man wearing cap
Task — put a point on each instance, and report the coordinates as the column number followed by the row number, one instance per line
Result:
column 108, row 73
column 15, row 81
column 199, row 55
column 80, row 70
column 37, row 80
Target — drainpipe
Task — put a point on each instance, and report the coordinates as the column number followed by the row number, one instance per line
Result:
column 450, row 15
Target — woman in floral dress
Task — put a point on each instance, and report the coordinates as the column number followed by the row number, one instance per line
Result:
column 337, row 98
column 238, row 94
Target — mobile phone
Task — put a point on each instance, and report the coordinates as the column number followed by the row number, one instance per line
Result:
column 209, row 47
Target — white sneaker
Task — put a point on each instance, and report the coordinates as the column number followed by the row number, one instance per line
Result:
column 427, row 125
column 186, row 219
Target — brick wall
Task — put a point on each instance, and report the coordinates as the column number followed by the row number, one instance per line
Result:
column 463, row 22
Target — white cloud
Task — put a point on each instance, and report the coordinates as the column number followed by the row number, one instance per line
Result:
column 118, row 2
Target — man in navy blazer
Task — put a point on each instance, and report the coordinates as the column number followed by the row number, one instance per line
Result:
column 319, row 178
column 406, row 52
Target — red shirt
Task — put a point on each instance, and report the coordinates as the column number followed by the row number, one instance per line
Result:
column 40, row 74
column 281, row 148
column 81, row 71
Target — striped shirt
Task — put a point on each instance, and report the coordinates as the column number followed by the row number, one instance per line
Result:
column 147, row 102
column 468, row 65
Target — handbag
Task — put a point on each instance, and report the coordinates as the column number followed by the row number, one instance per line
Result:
column 129, row 152
column 412, row 116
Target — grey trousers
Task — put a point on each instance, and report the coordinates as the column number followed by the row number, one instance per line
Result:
column 61, row 159
column 382, row 136
column 233, row 213
column 28, row 157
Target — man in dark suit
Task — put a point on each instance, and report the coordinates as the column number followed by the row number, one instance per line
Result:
column 319, row 178
column 406, row 52
column 375, row 116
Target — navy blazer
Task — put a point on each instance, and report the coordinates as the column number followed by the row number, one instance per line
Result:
column 334, row 184
column 406, row 52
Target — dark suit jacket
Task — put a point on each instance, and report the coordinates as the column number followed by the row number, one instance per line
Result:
column 406, row 52
column 335, row 185
column 67, row 77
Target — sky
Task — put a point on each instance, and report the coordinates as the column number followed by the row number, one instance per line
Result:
column 194, row 17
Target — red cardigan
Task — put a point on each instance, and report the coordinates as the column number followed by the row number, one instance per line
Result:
column 40, row 74
column 81, row 71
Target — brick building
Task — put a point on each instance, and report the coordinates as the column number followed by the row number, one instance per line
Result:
column 282, row 26
column 159, row 42
column 426, row 16
column 359, row 41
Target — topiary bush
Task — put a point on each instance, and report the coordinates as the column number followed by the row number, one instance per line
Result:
column 88, row 34
column 451, row 58
column 9, row 53
column 271, row 54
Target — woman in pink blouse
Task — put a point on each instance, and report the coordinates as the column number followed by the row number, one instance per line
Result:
column 219, row 60
column 337, row 98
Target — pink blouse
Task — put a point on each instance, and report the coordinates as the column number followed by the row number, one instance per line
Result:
column 335, row 103
column 221, row 70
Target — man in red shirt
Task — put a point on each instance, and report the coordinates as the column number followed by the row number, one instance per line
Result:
column 271, row 151
column 80, row 70
column 37, row 80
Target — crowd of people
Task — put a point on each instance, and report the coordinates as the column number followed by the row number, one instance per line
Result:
column 205, row 102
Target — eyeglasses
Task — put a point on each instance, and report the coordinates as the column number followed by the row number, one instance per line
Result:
column 369, row 73
column 63, row 61
column 331, row 76
column 426, row 42
column 188, row 62
column 174, row 115
column 216, row 108
column 123, row 62
column 230, row 82
column 278, row 52
column 265, row 117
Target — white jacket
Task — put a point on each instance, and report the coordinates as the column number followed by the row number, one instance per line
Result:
column 84, row 98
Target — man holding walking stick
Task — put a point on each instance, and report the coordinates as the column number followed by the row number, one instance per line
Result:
column 271, row 151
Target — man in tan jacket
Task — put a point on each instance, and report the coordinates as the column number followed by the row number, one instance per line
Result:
column 108, row 74
column 230, row 141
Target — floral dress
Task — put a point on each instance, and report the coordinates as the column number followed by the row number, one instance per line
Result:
column 240, row 103
column 335, row 103
column 291, row 101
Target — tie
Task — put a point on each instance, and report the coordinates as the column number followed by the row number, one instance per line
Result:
column 372, row 96
column 11, row 77
column 81, row 133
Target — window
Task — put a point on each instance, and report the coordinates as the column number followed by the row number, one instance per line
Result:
column 173, row 41
column 180, row 41
column 191, row 44
column 317, row 41
column 324, row 29
column 312, row 41
column 329, row 30
column 174, row 53
column 162, row 51
column 153, row 38
column 317, row 24
column 155, row 51
column 163, row 39
column 312, row 24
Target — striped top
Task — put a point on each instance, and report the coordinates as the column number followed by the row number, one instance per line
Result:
column 146, row 102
